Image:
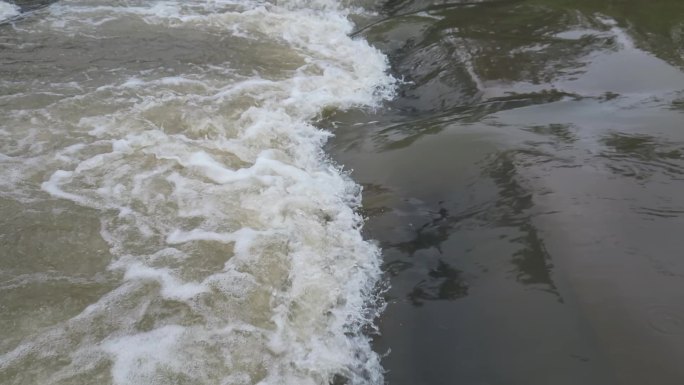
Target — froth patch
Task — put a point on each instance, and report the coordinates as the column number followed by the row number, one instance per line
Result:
column 236, row 244
column 8, row 11
column 138, row 358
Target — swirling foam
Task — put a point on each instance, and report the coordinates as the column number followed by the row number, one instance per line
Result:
column 7, row 11
column 236, row 250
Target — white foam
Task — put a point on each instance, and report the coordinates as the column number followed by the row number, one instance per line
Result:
column 179, row 236
column 8, row 11
column 52, row 186
column 171, row 286
column 138, row 357
column 237, row 253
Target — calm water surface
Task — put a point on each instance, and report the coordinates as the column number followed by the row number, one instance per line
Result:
column 526, row 189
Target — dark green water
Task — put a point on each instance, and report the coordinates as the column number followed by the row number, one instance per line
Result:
column 527, row 190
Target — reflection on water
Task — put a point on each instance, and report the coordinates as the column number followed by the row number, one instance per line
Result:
column 513, row 209
column 509, row 208
column 532, row 261
column 530, row 210
column 431, row 234
column 560, row 132
column 443, row 282
column 414, row 126
column 641, row 156
column 457, row 56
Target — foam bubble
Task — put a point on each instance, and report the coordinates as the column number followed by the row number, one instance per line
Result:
column 236, row 253
column 8, row 10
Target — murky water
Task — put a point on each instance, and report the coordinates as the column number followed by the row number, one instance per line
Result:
column 168, row 214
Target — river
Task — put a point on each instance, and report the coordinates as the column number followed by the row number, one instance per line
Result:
column 355, row 192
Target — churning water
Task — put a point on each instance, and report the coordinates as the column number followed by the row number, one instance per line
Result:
column 168, row 214
column 7, row 11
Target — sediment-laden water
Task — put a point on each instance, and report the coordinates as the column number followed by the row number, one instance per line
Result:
column 167, row 213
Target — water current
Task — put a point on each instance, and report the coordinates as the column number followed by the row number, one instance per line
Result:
column 342, row 192
column 169, row 215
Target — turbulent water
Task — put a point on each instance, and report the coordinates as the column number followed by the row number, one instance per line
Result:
column 7, row 11
column 168, row 215
column 180, row 192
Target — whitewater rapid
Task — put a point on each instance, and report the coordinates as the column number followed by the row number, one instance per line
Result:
column 8, row 11
column 224, row 246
